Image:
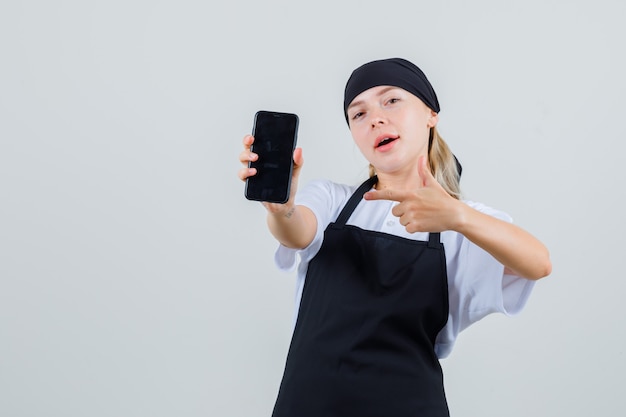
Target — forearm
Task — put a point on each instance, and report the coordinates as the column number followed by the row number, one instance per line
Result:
column 294, row 227
column 512, row 246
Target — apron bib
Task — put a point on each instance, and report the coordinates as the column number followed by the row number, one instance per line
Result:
column 363, row 344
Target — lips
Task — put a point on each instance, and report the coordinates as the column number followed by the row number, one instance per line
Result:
column 383, row 140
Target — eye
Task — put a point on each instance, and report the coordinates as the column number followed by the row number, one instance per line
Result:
column 393, row 100
column 357, row 115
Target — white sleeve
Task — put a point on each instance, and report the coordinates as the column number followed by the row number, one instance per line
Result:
column 325, row 199
column 477, row 286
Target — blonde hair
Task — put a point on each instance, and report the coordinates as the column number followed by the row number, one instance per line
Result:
column 443, row 164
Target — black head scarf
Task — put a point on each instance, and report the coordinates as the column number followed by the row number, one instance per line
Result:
column 396, row 72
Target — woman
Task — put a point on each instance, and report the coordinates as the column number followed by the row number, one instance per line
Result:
column 391, row 271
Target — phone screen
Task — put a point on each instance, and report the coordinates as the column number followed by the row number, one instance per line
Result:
column 275, row 136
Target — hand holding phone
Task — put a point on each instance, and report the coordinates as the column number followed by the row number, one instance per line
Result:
column 275, row 137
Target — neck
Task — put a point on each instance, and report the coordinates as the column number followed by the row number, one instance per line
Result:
column 401, row 181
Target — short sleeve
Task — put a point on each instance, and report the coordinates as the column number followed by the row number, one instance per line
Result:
column 477, row 286
column 324, row 199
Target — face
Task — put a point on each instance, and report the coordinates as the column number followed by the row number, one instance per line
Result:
column 391, row 128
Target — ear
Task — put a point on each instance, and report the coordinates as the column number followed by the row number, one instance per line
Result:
column 433, row 119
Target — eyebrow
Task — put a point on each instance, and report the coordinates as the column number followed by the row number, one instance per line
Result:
column 380, row 93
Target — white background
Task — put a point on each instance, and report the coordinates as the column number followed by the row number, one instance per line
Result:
column 136, row 280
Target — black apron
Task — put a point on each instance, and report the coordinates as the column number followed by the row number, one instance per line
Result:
column 363, row 345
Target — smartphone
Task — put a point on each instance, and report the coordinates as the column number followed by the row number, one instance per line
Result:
column 275, row 135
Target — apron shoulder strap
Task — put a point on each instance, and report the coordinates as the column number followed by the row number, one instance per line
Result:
column 354, row 201
column 434, row 240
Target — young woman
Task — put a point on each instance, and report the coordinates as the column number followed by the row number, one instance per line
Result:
column 392, row 270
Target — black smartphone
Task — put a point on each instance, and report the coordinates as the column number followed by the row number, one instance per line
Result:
column 275, row 135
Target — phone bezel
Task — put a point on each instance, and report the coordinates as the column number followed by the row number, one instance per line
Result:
column 257, row 187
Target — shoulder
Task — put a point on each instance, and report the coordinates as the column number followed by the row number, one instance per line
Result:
column 324, row 194
column 327, row 186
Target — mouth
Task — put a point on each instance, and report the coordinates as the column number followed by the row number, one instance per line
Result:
column 385, row 140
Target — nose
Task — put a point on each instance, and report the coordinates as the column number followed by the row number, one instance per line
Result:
column 376, row 119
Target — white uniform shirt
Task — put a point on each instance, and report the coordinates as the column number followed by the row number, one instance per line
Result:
column 477, row 285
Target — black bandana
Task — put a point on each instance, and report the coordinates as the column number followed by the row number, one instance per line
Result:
column 396, row 72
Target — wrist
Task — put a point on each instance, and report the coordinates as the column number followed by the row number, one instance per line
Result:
column 461, row 217
column 288, row 212
column 281, row 211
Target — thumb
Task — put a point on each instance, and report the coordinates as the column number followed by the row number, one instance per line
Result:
column 298, row 160
column 423, row 169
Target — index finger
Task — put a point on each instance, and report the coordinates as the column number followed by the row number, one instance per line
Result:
column 248, row 140
column 387, row 194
